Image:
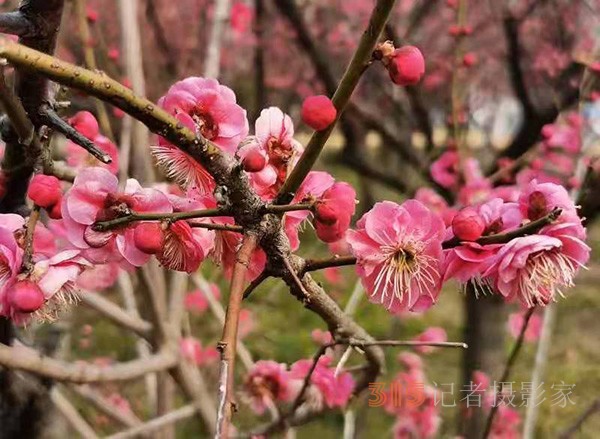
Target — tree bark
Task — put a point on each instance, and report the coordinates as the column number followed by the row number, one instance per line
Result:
column 484, row 333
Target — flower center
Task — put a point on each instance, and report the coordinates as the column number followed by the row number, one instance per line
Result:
column 115, row 206
column 545, row 274
column 405, row 268
column 205, row 125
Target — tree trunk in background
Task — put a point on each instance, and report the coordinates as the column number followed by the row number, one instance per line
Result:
column 484, row 332
column 25, row 407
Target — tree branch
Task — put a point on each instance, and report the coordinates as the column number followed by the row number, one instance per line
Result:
column 507, row 369
column 116, row 314
column 228, row 344
column 348, row 83
column 29, row 360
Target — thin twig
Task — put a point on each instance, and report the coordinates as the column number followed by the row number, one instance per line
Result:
column 346, row 87
column 53, row 120
column 116, row 314
column 228, row 343
column 127, row 419
column 72, row 415
column 157, row 423
column 592, row 409
column 90, row 62
column 177, row 216
column 498, row 238
column 256, row 283
column 507, row 369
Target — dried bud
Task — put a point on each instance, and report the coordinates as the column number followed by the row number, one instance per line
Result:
column 318, row 112
column 468, row 225
column 149, row 237
column 384, row 51
column 407, row 66
column 25, row 297
column 44, row 190
column 538, row 207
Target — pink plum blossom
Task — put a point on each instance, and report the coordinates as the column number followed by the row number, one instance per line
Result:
column 321, row 337
column 95, row 197
column 399, row 253
column 334, row 211
column 538, row 267
column 432, row 334
column 196, row 301
column 192, row 350
column 210, row 110
column 268, row 382
column 274, row 135
column 469, row 260
column 331, row 390
column 444, row 170
column 533, row 330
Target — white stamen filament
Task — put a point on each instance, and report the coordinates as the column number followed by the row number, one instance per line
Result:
column 405, row 265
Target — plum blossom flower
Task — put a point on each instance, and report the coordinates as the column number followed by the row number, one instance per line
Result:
column 95, row 197
column 538, row 267
column 192, row 350
column 321, row 337
column 468, row 261
column 196, row 301
column 11, row 254
column 333, row 212
column 313, row 187
column 274, row 135
column 268, row 382
column 539, row 199
column 399, row 253
column 326, row 388
column 533, row 330
column 98, row 277
column 57, row 278
column 210, row 110
column 432, row 334
column 77, row 157
column 444, row 170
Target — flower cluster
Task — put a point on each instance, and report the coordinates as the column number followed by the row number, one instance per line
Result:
column 403, row 256
column 269, row 382
column 414, row 402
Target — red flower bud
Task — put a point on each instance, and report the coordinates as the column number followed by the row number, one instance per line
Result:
column 91, row 14
column 318, row 112
column 468, row 225
column 149, row 237
column 455, row 30
column 325, row 214
column 86, row 124
column 470, row 59
column 55, row 212
column 26, row 297
column 44, row 190
column 254, row 161
column 407, row 66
